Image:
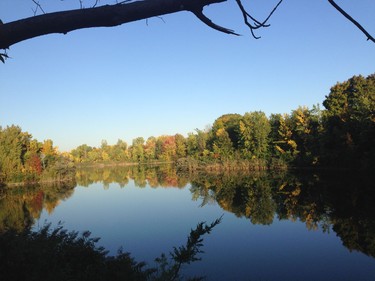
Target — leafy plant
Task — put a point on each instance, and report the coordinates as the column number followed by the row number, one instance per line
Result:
column 56, row 254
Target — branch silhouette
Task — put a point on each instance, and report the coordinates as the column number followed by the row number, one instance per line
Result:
column 124, row 12
column 351, row 19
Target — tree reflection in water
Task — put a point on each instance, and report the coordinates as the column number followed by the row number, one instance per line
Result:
column 339, row 202
column 21, row 206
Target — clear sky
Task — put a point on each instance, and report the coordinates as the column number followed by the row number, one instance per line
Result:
column 175, row 75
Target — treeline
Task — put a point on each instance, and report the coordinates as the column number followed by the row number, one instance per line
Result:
column 341, row 135
column 24, row 159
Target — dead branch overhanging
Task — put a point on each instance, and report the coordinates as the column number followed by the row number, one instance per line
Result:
column 246, row 17
column 122, row 12
column 351, row 19
column 257, row 24
column 198, row 12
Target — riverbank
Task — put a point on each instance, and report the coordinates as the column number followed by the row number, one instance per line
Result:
column 39, row 182
column 191, row 164
column 121, row 164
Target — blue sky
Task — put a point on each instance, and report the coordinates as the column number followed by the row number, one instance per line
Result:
column 175, row 75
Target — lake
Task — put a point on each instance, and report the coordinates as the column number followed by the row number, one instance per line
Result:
column 275, row 226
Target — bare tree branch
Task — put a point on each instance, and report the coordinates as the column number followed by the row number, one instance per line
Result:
column 160, row 18
column 199, row 14
column 102, row 16
column 123, row 12
column 122, row 2
column 96, row 3
column 38, row 6
column 350, row 18
column 257, row 24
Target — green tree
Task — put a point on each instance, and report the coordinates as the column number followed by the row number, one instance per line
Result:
column 283, row 146
column 230, row 123
column 196, row 144
column 254, row 130
column 80, row 154
column 349, row 122
column 180, row 146
column 137, row 149
column 48, row 153
column 94, row 155
column 222, row 145
column 119, row 151
column 150, row 148
column 306, row 127
column 23, row 159
column 191, row 144
column 13, row 147
column 202, row 138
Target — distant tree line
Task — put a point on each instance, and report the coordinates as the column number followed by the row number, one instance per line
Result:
column 341, row 135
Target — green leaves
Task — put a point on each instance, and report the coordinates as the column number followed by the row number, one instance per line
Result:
column 349, row 122
column 254, row 131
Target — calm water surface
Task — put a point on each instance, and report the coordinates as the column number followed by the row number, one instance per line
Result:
column 274, row 227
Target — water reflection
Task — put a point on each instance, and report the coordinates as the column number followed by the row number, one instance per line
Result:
column 143, row 175
column 244, row 195
column 342, row 203
column 20, row 207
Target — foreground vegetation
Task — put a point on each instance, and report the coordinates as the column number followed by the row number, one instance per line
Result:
column 56, row 254
column 341, row 136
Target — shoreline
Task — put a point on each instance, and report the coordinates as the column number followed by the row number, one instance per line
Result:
column 191, row 166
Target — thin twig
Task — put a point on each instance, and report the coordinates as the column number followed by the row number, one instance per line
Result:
column 122, row 2
column 350, row 18
column 161, row 18
column 245, row 15
column 38, row 6
column 96, row 3
column 257, row 24
column 269, row 16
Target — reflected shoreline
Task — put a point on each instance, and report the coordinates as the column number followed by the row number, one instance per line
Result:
column 323, row 200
